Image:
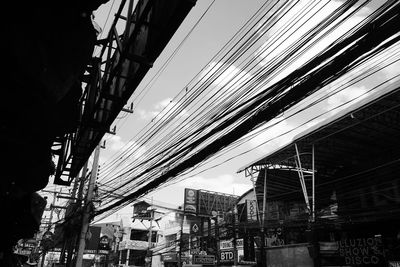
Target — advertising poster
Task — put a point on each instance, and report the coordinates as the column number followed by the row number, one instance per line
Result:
column 190, row 201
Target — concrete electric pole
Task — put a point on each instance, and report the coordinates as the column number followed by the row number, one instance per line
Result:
column 86, row 213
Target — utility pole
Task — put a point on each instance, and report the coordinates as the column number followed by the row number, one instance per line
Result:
column 86, row 213
column 52, row 210
column 68, row 241
column 235, row 251
column 78, row 195
column 149, row 254
column 44, row 252
column 264, row 217
column 217, row 254
column 180, row 241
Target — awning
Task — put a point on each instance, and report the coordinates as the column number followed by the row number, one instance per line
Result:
column 370, row 125
column 356, row 156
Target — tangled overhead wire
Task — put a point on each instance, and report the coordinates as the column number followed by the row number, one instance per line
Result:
column 270, row 65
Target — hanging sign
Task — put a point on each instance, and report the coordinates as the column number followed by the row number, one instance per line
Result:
column 251, row 206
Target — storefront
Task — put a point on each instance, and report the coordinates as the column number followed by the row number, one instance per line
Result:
column 171, row 259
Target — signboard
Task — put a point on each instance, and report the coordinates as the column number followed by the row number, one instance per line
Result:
column 328, row 247
column 104, row 243
column 296, row 255
column 190, row 201
column 140, row 210
column 211, row 203
column 251, row 206
column 103, row 252
column 228, row 244
column 47, row 240
column 204, row 259
column 362, row 251
column 92, row 240
column 226, row 256
column 134, row 245
column 195, row 228
column 170, row 257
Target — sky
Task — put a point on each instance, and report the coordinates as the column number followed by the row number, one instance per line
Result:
column 220, row 23
column 223, row 19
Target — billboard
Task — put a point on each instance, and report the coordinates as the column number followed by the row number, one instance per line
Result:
column 190, row 201
column 140, row 210
column 211, row 202
column 202, row 202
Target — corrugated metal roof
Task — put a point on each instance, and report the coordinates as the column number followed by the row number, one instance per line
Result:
column 349, row 129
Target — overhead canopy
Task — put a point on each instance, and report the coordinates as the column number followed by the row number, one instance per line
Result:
column 369, row 127
column 356, row 158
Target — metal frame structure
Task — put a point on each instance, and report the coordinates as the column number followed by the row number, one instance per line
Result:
column 306, row 179
column 209, row 201
column 112, row 77
column 339, row 142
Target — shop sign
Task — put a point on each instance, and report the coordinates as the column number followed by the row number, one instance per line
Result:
column 90, row 251
column 251, row 207
column 204, row 259
column 361, row 251
column 228, row 244
column 137, row 244
column 134, row 244
column 328, row 247
column 195, row 251
column 195, row 228
column 92, row 238
column 171, row 257
column 226, row 256
column 229, row 256
column 104, row 243
column 103, row 252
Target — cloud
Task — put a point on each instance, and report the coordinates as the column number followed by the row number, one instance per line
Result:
column 346, row 95
column 228, row 75
column 275, row 136
column 161, row 109
column 115, row 143
column 279, row 135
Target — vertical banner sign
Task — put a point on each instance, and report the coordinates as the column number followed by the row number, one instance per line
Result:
column 251, row 206
column 190, row 202
column 92, row 240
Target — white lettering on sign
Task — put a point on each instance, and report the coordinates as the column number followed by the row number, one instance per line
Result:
column 361, row 251
column 228, row 244
column 226, row 256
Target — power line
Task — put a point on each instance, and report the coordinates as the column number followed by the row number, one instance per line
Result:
column 172, row 156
